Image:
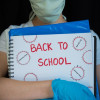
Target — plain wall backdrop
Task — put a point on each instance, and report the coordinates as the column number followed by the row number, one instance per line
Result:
column 15, row 12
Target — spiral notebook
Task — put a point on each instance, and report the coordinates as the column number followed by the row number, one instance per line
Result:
column 49, row 52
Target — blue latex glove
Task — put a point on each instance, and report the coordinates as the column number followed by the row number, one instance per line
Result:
column 65, row 90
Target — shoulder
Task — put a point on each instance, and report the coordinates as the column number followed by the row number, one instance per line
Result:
column 97, row 47
column 4, row 35
column 94, row 34
column 27, row 24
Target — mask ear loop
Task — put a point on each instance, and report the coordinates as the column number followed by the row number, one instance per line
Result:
column 31, row 15
column 65, row 18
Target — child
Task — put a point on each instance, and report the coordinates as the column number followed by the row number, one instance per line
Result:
column 45, row 12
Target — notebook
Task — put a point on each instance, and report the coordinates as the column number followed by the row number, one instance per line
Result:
column 49, row 52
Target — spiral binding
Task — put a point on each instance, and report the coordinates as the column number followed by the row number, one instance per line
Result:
column 11, row 59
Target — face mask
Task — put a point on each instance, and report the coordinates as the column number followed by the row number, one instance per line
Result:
column 48, row 11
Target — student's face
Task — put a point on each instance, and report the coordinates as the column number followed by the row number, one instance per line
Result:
column 47, row 11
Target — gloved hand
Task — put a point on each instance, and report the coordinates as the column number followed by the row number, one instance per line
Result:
column 65, row 90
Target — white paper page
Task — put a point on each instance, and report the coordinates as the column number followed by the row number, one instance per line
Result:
column 68, row 57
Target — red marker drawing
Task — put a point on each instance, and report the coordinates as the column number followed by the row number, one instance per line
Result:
column 30, row 77
column 23, row 58
column 79, row 43
column 30, row 39
column 77, row 73
column 87, row 57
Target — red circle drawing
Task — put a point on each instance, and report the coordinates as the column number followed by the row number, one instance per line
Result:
column 86, row 55
column 79, row 43
column 77, row 73
column 30, row 39
column 30, row 77
column 90, row 87
column 23, row 58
